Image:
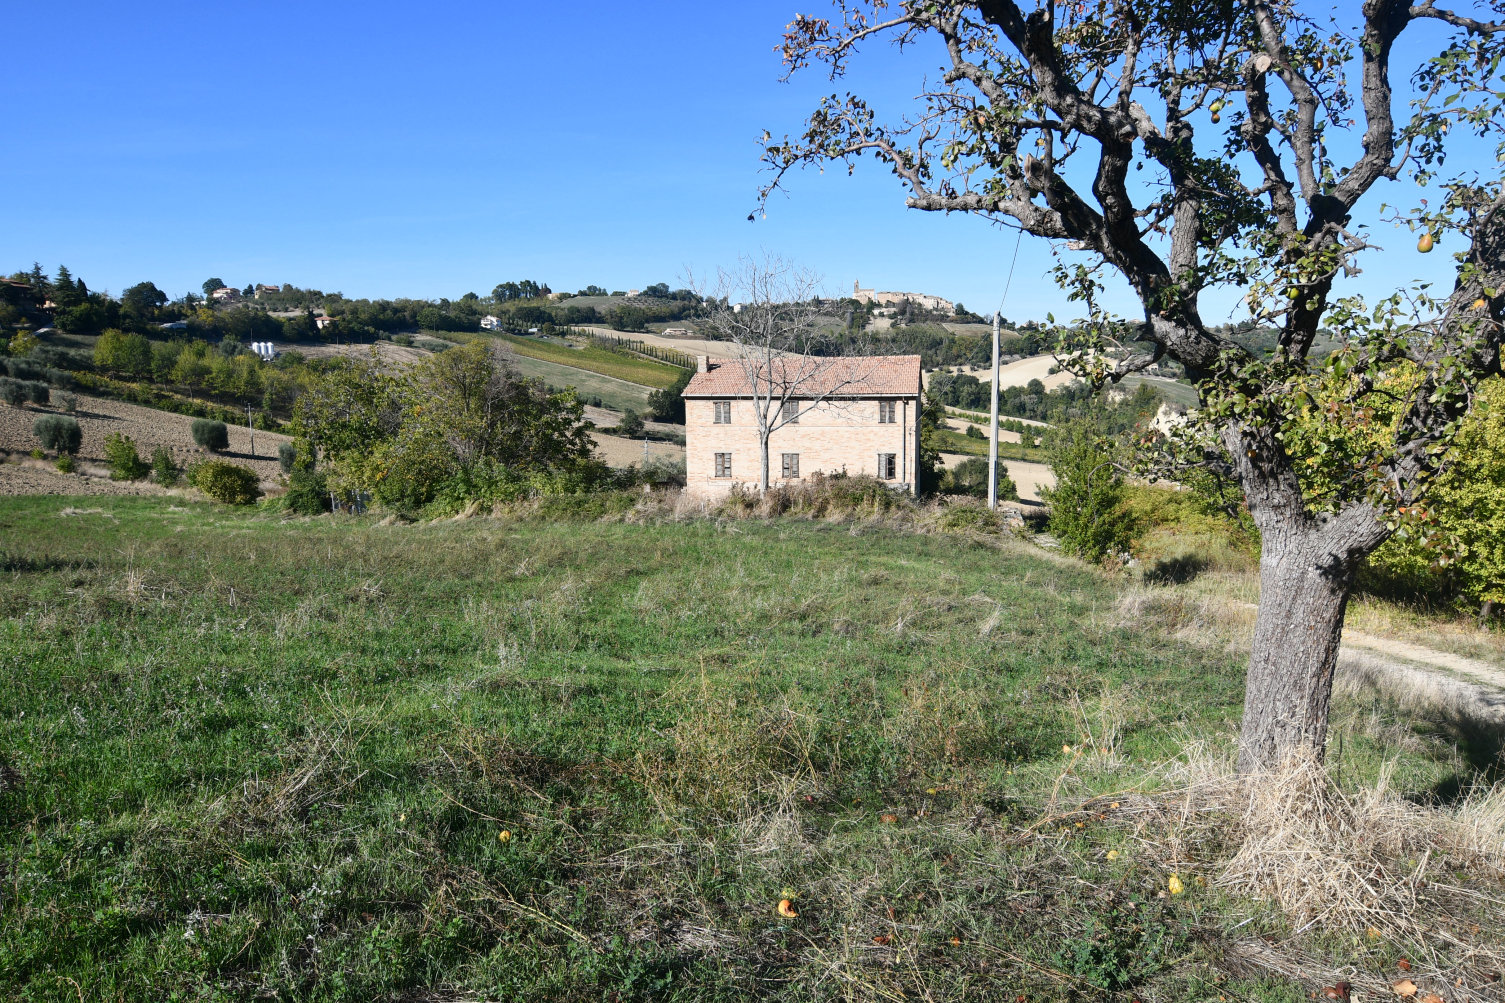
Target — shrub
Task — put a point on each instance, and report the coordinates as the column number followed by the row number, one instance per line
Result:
column 299, row 454
column 164, row 469
column 307, row 492
column 65, row 463
column 124, row 461
column 58, row 433
column 68, row 402
column 11, row 391
column 663, row 470
column 226, row 482
column 211, row 435
column 970, row 477
column 37, row 392
column 1089, row 514
column 631, row 424
column 973, row 432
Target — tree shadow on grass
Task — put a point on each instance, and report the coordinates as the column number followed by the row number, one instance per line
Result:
column 1480, row 740
column 1176, row 570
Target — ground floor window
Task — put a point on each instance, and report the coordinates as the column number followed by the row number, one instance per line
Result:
column 888, row 466
column 723, row 464
column 791, row 464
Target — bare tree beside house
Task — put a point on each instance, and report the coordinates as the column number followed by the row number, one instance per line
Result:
column 772, row 315
column 1190, row 148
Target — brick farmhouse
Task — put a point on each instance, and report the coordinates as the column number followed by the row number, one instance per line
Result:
column 854, row 415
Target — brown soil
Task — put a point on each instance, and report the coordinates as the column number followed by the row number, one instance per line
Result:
column 150, row 428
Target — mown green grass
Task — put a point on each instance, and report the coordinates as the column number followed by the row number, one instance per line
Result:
column 252, row 759
column 634, row 369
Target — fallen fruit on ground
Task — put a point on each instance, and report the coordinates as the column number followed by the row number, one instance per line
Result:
column 1405, row 987
column 786, row 909
column 1175, row 885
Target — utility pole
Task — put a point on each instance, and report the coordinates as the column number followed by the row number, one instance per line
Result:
column 252, row 428
column 993, row 434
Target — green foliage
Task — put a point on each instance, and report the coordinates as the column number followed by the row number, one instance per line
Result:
column 211, row 435
column 58, row 433
column 973, row 432
column 36, row 391
column 123, row 459
column 128, row 355
column 631, row 424
column 1453, row 549
column 970, row 477
column 1088, row 514
column 68, row 402
column 66, row 463
column 164, row 468
column 307, row 492
column 225, row 482
column 667, row 404
column 12, row 392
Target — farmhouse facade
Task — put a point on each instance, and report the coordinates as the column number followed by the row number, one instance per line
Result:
column 856, row 415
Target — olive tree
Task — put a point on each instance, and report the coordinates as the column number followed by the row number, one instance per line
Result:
column 1198, row 145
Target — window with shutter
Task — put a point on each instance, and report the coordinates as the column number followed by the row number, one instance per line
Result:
column 723, row 412
column 886, row 413
column 791, row 412
column 723, row 464
column 887, row 467
column 791, row 465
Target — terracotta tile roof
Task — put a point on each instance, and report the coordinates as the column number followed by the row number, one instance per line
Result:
column 847, row 376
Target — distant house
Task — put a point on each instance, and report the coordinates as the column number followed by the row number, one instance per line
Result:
column 267, row 289
column 174, row 325
column 490, row 323
column 677, row 332
column 858, row 415
column 322, row 322
column 226, row 294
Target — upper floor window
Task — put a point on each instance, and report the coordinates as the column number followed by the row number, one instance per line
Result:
column 791, row 412
column 723, row 412
column 886, row 412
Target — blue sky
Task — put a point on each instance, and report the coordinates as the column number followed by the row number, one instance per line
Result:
column 388, row 149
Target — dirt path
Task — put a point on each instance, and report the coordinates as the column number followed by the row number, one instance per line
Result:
column 1475, row 669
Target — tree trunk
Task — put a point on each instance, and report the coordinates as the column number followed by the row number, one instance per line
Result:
column 763, row 474
column 1303, row 593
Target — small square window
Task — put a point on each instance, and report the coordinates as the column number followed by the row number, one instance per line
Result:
column 888, row 468
column 723, row 412
column 723, row 464
column 791, row 412
column 886, row 413
column 791, row 465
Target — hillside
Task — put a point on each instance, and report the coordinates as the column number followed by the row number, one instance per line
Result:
column 565, row 759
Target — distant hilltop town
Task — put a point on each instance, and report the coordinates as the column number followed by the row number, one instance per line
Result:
column 862, row 295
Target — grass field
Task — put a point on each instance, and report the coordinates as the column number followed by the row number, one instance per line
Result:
column 584, row 760
column 634, row 369
column 618, row 395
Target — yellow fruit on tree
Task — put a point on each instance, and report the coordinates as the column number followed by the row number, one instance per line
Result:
column 1425, row 243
